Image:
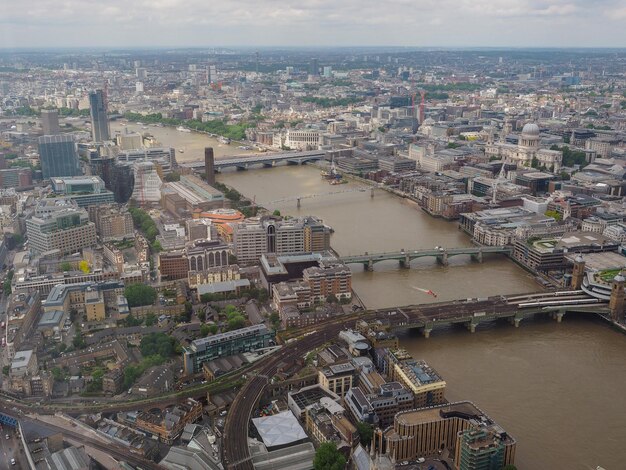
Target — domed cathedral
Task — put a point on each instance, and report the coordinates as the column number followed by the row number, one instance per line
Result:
column 526, row 151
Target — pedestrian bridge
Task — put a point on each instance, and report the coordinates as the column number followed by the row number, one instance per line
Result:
column 243, row 162
column 441, row 254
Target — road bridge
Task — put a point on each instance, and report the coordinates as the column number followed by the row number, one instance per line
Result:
column 441, row 254
column 243, row 162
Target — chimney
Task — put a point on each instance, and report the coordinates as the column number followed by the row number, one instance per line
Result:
column 209, row 166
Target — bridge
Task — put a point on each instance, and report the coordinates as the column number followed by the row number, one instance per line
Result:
column 441, row 254
column 243, row 162
column 469, row 313
column 472, row 312
column 298, row 199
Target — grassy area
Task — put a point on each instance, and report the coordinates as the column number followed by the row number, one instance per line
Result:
column 609, row 274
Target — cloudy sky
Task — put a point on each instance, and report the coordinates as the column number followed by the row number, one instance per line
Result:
column 128, row 23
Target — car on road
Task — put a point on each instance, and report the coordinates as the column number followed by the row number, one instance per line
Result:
column 7, row 437
column 12, row 461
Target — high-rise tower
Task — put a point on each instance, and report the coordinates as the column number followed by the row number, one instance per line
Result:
column 50, row 122
column 99, row 120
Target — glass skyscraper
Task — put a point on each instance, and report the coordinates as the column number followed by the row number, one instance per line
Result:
column 58, row 156
column 99, row 120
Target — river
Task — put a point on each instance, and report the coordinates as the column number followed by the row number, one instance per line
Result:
column 557, row 388
column 192, row 144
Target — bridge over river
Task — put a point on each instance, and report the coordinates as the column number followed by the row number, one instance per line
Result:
column 441, row 254
column 243, row 162
column 472, row 312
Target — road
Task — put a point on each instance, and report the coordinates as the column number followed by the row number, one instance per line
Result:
column 11, row 449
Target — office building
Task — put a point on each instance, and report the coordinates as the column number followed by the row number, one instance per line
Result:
column 58, row 156
column 256, row 237
column 427, row 431
column 190, row 194
column 314, row 67
column 50, row 122
column 148, row 184
column 479, row 449
column 112, row 222
column 18, row 178
column 99, row 119
column 246, row 339
column 85, row 190
column 67, row 230
column 338, row 378
column 122, row 181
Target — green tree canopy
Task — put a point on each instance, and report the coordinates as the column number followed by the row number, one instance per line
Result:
column 157, row 344
column 365, row 432
column 140, row 294
column 327, row 457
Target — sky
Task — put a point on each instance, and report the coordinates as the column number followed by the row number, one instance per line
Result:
column 416, row 23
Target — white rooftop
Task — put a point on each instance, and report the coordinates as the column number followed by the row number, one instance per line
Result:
column 279, row 429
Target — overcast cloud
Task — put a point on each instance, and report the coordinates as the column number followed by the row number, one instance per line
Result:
column 128, row 23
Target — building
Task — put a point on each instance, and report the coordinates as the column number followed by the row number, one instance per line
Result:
column 338, row 378
column 112, row 222
column 68, row 230
column 173, row 265
column 99, row 120
column 256, row 237
column 190, row 194
column 85, row 190
column 58, row 156
column 213, row 275
column 112, row 381
column 230, row 343
column 329, row 279
column 379, row 408
column 480, row 449
column 423, row 381
column 527, row 152
column 166, row 426
column 18, row 178
column 427, row 431
column 50, row 122
column 147, row 183
column 209, row 165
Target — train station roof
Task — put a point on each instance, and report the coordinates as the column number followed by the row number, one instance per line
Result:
column 279, row 430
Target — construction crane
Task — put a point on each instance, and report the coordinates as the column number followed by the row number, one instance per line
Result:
column 423, row 95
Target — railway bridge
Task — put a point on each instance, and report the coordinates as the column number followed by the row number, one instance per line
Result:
column 441, row 254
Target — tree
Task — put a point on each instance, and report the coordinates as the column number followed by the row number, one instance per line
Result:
column 327, row 457
column 157, row 344
column 213, row 329
column 276, row 213
column 202, row 315
column 275, row 319
column 79, row 342
column 204, row 330
column 140, row 294
column 5, row 370
column 534, row 162
column 65, row 266
column 365, row 432
column 555, row 215
column 84, row 266
column 151, row 319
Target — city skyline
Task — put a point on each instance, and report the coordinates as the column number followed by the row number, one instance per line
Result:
column 505, row 23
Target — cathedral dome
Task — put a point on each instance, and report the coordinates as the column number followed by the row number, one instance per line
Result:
column 531, row 129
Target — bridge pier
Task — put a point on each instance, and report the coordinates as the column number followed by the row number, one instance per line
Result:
column 268, row 165
column 241, row 167
column 370, row 265
column 558, row 316
column 443, row 258
column 478, row 256
column 516, row 320
column 405, row 263
column 371, row 192
column 298, row 203
column 426, row 332
column 471, row 327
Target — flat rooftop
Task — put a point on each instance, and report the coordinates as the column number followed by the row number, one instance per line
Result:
column 437, row 413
